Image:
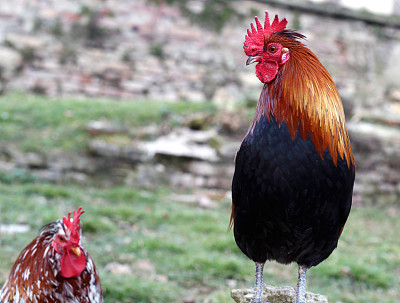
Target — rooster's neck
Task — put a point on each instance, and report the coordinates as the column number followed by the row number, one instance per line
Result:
column 304, row 97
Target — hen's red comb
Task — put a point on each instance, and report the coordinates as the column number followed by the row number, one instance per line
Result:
column 73, row 225
column 258, row 34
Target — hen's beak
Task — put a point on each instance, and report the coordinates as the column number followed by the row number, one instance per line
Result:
column 251, row 60
column 76, row 251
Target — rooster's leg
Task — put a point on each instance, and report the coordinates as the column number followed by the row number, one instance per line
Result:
column 258, row 288
column 301, row 285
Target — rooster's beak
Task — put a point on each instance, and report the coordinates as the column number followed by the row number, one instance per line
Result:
column 76, row 251
column 251, row 60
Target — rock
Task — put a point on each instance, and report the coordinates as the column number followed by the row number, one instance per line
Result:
column 184, row 180
column 131, row 152
column 136, row 87
column 135, row 153
column 213, row 175
column 201, row 137
column 63, row 162
column 6, row 166
column 76, row 177
column 393, row 94
column 34, row 160
column 21, row 41
column 202, row 201
column 193, row 96
column 205, row 169
column 183, row 143
column 96, row 128
column 99, row 63
column 147, row 175
column 104, row 149
column 195, row 7
column 26, row 160
column 10, row 60
column 386, row 138
column 49, row 175
column 146, row 132
column 284, row 294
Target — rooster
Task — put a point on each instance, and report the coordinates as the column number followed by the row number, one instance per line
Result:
column 54, row 268
column 294, row 171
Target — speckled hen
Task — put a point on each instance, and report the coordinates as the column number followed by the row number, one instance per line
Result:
column 54, row 268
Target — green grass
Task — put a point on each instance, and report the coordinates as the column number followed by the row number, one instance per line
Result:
column 174, row 251
column 189, row 250
column 45, row 125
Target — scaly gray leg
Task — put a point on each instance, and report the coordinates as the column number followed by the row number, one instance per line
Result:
column 301, row 285
column 258, row 288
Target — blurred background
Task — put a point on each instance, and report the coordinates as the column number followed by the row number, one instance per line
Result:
column 134, row 110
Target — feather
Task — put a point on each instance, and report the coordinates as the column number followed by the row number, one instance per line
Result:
column 36, row 275
column 310, row 104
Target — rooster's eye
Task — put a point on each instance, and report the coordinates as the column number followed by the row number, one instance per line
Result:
column 61, row 238
column 273, row 49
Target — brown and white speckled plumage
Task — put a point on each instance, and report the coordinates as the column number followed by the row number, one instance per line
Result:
column 35, row 276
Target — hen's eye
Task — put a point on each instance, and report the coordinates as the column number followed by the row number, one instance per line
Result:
column 273, row 49
column 61, row 238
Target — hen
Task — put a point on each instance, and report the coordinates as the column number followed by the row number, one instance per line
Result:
column 294, row 171
column 54, row 268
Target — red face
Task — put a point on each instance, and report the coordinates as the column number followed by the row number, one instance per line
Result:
column 268, row 60
column 73, row 259
column 61, row 244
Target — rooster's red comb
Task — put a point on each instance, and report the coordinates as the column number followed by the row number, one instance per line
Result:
column 73, row 225
column 257, row 35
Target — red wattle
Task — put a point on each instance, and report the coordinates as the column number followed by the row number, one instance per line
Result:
column 72, row 265
column 266, row 71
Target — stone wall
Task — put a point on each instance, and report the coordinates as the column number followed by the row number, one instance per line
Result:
column 135, row 49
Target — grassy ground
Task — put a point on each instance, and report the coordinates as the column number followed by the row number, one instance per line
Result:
column 149, row 247
column 45, row 125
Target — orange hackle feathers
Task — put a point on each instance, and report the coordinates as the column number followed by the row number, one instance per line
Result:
column 304, row 96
